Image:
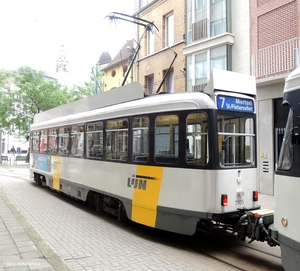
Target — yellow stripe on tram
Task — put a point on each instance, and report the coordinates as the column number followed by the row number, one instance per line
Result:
column 56, row 164
column 146, row 194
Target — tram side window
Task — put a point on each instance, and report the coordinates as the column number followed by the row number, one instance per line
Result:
column 117, row 139
column 63, row 139
column 52, row 141
column 196, row 143
column 94, row 140
column 35, row 141
column 166, row 139
column 286, row 156
column 77, row 135
column 140, row 140
column 44, row 142
column 236, row 141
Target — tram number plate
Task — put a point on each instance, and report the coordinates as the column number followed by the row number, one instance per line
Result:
column 239, row 202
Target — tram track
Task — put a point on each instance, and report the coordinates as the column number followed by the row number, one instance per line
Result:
column 239, row 254
column 220, row 247
column 255, row 245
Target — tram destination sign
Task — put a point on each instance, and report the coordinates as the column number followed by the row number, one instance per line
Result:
column 235, row 104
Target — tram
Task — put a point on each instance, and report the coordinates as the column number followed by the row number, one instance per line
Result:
column 168, row 161
column 287, row 178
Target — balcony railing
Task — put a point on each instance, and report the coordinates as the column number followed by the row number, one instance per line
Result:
column 274, row 60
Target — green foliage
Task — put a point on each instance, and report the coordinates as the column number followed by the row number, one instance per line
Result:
column 89, row 88
column 26, row 92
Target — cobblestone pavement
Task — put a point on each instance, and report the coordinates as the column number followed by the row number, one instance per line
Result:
column 71, row 237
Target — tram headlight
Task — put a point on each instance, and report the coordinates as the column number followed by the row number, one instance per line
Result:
column 284, row 222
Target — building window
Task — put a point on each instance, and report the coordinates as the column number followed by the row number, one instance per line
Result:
column 199, row 66
column 150, row 84
column 217, row 18
column 206, row 19
column 169, row 22
column 150, row 42
column 218, row 58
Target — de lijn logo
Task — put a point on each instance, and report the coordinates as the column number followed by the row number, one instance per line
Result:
column 139, row 181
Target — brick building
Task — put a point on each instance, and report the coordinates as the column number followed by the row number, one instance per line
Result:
column 205, row 34
column 160, row 45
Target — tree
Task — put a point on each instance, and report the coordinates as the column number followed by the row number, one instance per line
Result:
column 90, row 88
column 25, row 93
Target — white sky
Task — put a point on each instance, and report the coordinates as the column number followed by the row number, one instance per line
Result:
column 32, row 32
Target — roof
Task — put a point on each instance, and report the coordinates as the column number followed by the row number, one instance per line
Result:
column 105, row 58
column 124, row 54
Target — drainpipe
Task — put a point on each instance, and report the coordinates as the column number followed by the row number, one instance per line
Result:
column 296, row 58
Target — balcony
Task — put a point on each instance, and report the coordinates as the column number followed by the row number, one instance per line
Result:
column 274, row 61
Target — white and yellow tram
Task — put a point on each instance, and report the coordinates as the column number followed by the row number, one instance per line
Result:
column 168, row 160
column 287, row 179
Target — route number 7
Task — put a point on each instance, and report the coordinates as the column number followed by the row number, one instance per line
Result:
column 222, row 101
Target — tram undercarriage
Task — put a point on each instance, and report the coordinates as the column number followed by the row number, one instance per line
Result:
column 256, row 225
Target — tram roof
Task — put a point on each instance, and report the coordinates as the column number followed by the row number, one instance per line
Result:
column 292, row 81
column 164, row 102
column 130, row 100
column 119, row 95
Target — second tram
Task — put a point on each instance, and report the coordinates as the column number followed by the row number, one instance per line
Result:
column 287, row 179
column 167, row 161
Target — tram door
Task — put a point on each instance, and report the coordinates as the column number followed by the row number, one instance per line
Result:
column 280, row 117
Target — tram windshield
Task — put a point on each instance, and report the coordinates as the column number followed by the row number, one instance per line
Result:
column 285, row 159
column 236, row 141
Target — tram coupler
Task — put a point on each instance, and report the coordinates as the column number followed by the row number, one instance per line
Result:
column 255, row 225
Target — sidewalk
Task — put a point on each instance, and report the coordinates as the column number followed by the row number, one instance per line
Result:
column 22, row 247
column 20, row 167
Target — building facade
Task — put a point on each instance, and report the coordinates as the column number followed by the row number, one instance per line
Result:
column 274, row 35
column 256, row 37
column 160, row 57
column 115, row 71
column 217, row 36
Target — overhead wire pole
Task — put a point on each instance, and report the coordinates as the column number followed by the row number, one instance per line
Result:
column 166, row 74
column 148, row 26
column 97, row 85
